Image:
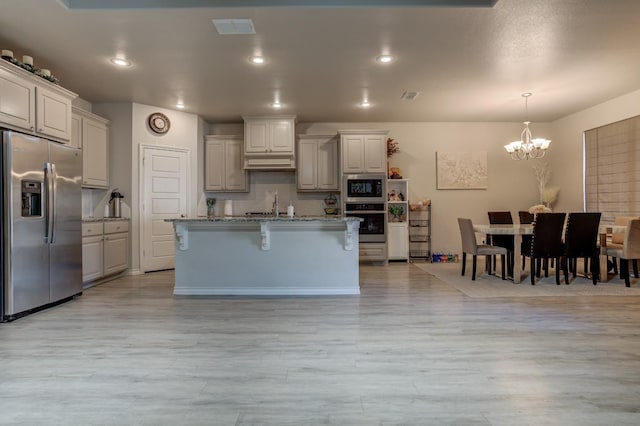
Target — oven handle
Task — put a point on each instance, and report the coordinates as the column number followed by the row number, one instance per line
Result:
column 365, row 212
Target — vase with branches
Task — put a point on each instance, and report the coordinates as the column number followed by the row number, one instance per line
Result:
column 548, row 195
column 392, row 148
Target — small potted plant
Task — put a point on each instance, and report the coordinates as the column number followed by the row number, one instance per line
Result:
column 395, row 212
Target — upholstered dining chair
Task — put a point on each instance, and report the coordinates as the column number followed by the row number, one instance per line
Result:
column 617, row 238
column 471, row 246
column 546, row 242
column 630, row 249
column 581, row 241
column 506, row 241
column 526, row 218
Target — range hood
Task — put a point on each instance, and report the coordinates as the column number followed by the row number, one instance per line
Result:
column 269, row 143
column 273, row 162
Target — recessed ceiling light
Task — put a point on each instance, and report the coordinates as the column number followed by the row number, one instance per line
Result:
column 365, row 104
column 258, row 60
column 180, row 105
column 384, row 59
column 121, row 62
column 276, row 105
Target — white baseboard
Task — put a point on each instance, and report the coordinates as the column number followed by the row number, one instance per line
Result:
column 264, row 291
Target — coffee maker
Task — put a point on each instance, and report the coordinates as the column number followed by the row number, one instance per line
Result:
column 115, row 204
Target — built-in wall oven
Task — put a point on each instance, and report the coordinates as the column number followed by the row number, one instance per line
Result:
column 372, row 229
column 365, row 196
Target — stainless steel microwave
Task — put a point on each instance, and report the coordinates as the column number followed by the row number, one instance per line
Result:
column 364, row 188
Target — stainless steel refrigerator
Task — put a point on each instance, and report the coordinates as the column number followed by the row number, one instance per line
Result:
column 41, row 223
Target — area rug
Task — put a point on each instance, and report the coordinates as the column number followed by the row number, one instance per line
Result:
column 493, row 286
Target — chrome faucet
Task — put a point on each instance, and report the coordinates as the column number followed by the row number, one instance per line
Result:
column 275, row 205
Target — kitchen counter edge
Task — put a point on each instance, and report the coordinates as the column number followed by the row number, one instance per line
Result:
column 103, row 219
column 269, row 219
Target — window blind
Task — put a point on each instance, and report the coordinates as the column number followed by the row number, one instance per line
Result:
column 612, row 169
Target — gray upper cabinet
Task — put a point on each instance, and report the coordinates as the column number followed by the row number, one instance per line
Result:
column 317, row 169
column 269, row 142
column 91, row 133
column 364, row 151
column 223, row 164
column 32, row 104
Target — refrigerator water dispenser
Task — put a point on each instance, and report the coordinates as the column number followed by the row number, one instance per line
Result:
column 31, row 198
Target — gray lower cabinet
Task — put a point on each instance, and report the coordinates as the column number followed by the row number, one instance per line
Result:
column 92, row 251
column 116, row 247
column 105, row 249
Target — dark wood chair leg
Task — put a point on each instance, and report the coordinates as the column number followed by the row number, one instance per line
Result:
column 595, row 269
column 565, row 269
column 635, row 267
column 473, row 272
column 624, row 269
column 546, row 267
column 558, row 267
column 532, row 273
column 502, row 259
column 615, row 265
column 464, row 262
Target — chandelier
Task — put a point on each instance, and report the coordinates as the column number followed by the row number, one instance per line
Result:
column 527, row 147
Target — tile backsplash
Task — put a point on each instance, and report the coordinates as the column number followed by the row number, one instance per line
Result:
column 95, row 200
column 263, row 186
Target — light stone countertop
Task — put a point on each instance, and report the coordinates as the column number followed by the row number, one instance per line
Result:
column 103, row 219
column 245, row 219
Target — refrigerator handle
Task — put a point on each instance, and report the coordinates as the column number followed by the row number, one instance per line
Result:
column 48, row 180
column 54, row 194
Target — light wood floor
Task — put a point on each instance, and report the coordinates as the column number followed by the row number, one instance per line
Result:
column 409, row 350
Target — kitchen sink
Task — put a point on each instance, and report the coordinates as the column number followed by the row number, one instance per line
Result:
column 263, row 214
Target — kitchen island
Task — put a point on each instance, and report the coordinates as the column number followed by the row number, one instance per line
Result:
column 315, row 255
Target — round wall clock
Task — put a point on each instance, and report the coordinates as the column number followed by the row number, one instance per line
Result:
column 159, row 123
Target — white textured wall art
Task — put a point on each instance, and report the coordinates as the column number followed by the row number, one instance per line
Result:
column 462, row 170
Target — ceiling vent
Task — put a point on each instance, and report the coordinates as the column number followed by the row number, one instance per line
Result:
column 409, row 95
column 234, row 26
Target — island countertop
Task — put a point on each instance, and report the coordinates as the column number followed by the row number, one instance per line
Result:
column 268, row 219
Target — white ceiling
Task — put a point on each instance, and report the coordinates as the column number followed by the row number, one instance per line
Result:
column 470, row 64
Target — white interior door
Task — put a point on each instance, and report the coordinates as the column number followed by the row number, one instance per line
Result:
column 165, row 188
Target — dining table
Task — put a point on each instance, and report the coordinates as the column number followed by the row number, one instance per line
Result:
column 517, row 230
